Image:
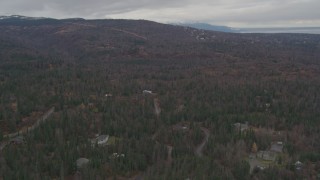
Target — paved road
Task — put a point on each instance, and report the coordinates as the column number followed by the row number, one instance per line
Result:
column 199, row 148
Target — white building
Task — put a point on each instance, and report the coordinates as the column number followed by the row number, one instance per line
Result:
column 108, row 95
column 241, row 127
column 145, row 92
column 298, row 165
column 101, row 140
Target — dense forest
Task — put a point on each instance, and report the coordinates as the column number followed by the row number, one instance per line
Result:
column 175, row 102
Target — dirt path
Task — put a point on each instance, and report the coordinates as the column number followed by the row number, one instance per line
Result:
column 81, row 24
column 25, row 130
column 169, row 160
column 131, row 33
column 2, row 145
column 157, row 109
column 253, row 163
column 198, row 151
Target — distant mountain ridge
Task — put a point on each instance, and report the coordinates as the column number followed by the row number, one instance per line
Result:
column 76, row 38
column 25, row 20
column 209, row 27
column 19, row 19
column 300, row 30
column 16, row 17
column 205, row 26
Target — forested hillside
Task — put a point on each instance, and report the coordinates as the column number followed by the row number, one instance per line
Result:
column 169, row 97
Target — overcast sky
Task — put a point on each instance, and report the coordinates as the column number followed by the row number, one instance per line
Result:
column 234, row 13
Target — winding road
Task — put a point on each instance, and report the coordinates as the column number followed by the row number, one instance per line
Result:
column 2, row 145
column 26, row 130
column 199, row 149
column 31, row 128
column 169, row 160
column 157, row 109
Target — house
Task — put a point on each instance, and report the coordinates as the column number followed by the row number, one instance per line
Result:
column 82, row 162
column 101, row 140
column 91, row 105
column 241, row 127
column 17, row 140
column 298, row 165
column 277, row 147
column 116, row 155
column 266, row 155
column 146, row 92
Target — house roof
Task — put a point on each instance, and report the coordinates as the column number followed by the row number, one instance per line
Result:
column 147, row 92
column 100, row 140
column 102, row 137
column 267, row 155
column 241, row 126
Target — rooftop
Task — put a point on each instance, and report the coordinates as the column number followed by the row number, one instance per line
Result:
column 102, row 137
column 241, row 126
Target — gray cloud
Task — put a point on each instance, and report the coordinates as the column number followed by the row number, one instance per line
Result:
column 223, row 12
